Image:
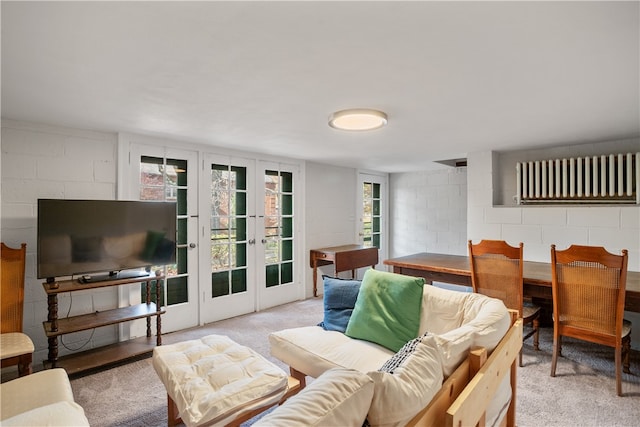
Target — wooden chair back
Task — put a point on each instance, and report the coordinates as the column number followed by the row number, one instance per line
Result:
column 12, row 270
column 496, row 271
column 588, row 285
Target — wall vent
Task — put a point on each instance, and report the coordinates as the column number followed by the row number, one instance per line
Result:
column 613, row 178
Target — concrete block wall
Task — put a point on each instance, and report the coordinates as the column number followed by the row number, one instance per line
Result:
column 614, row 227
column 41, row 161
column 428, row 212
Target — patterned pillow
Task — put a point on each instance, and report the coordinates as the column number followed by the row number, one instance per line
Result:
column 406, row 383
column 402, row 355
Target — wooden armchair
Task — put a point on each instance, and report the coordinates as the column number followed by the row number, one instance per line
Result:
column 16, row 348
column 496, row 271
column 589, row 284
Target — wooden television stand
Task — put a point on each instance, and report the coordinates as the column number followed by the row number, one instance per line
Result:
column 55, row 327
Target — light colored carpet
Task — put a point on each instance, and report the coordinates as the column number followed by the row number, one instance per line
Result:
column 582, row 394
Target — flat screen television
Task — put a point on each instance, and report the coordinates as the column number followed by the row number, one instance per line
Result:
column 103, row 239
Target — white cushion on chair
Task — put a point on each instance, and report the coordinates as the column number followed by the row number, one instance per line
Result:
column 34, row 391
column 14, row 344
column 59, row 414
column 212, row 380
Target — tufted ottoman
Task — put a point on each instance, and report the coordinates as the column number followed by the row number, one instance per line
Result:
column 216, row 381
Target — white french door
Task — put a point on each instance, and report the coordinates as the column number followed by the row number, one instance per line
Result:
column 238, row 237
column 163, row 174
column 373, row 211
column 228, row 237
column 250, row 237
column 278, row 244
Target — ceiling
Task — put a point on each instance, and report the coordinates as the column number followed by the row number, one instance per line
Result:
column 453, row 77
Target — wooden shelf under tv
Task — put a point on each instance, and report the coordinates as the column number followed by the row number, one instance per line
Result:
column 55, row 327
column 84, row 322
column 81, row 363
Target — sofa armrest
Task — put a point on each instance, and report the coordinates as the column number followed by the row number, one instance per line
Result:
column 469, row 390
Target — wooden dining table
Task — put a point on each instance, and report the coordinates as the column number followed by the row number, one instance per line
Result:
column 454, row 269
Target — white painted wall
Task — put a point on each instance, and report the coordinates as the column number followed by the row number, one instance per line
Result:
column 330, row 213
column 428, row 212
column 614, row 227
column 40, row 161
column 50, row 162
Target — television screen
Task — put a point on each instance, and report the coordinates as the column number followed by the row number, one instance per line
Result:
column 76, row 237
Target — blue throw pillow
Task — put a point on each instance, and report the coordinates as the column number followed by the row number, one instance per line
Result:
column 339, row 298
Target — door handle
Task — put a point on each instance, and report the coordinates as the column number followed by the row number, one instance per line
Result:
column 251, row 241
column 192, row 245
column 264, row 241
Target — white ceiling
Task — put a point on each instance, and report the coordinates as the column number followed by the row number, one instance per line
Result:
column 453, row 77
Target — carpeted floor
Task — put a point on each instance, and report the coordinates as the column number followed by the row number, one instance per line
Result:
column 582, row 394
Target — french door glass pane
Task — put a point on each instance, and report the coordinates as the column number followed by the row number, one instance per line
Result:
column 163, row 179
column 228, row 230
column 371, row 228
column 278, row 227
column 177, row 290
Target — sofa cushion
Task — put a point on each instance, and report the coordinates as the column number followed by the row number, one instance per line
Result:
column 485, row 321
column 442, row 310
column 339, row 298
column 33, row 391
column 313, row 350
column 59, row 414
column 340, row 397
column 406, row 383
column 387, row 310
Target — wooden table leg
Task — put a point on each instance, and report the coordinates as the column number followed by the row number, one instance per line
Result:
column 315, row 277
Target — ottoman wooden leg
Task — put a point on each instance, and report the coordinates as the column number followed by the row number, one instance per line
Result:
column 173, row 417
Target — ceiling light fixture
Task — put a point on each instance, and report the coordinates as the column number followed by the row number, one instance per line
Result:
column 357, row 119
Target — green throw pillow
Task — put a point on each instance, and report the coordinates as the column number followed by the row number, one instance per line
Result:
column 387, row 311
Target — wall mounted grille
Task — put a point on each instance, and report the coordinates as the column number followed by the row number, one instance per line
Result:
column 613, row 178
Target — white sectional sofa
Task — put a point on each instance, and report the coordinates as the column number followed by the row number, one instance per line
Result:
column 451, row 323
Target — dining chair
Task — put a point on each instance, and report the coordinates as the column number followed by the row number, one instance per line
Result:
column 588, row 285
column 16, row 348
column 496, row 271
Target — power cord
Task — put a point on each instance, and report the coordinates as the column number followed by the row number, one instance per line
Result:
column 93, row 331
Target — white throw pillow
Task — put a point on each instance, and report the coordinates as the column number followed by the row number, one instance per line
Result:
column 339, row 397
column 486, row 320
column 410, row 380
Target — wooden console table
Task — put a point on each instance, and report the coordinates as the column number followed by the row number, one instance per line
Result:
column 455, row 269
column 78, row 362
column 343, row 258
